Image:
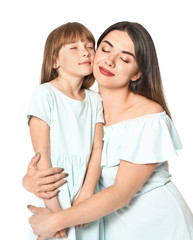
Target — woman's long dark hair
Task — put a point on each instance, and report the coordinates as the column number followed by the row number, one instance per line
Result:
column 149, row 84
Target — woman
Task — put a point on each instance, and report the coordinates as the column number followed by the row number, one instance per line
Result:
column 137, row 197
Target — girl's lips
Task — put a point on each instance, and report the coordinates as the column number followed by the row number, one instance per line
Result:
column 85, row 63
column 106, row 72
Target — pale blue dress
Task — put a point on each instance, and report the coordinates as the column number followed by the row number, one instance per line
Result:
column 157, row 211
column 72, row 126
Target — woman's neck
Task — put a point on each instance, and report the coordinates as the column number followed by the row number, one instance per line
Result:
column 116, row 103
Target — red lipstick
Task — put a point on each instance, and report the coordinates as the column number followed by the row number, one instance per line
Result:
column 106, row 72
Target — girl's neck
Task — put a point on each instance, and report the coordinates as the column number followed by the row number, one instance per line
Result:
column 70, row 87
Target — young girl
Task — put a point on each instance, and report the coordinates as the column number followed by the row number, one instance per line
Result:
column 65, row 119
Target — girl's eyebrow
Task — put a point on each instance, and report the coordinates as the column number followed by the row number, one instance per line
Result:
column 123, row 51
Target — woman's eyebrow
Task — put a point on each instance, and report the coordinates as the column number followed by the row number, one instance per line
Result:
column 110, row 44
column 126, row 52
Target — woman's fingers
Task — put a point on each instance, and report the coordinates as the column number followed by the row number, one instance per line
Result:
column 35, row 209
column 34, row 161
column 50, row 187
column 50, row 171
column 53, row 178
column 47, row 195
column 47, row 187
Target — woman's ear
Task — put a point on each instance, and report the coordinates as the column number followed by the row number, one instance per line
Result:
column 136, row 76
column 56, row 63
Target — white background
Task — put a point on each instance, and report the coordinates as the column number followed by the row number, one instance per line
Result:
column 24, row 26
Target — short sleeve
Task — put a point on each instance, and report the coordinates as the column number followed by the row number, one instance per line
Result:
column 99, row 117
column 40, row 105
column 152, row 140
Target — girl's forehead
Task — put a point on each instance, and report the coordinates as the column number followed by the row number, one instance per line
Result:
column 78, row 36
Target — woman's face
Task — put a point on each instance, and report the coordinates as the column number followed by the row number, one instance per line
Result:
column 115, row 64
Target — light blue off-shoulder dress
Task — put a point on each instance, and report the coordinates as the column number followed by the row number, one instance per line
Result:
column 158, row 210
column 72, row 126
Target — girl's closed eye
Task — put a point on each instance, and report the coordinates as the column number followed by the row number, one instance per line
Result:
column 73, row 47
column 90, row 46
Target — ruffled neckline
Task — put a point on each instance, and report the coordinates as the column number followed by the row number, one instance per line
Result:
column 153, row 115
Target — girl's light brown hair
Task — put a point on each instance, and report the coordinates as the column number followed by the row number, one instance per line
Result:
column 65, row 34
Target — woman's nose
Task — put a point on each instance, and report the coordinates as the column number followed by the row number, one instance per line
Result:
column 110, row 61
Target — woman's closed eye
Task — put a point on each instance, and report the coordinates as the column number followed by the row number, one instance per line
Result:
column 105, row 50
column 124, row 60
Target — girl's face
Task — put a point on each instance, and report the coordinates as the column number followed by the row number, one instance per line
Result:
column 115, row 64
column 75, row 59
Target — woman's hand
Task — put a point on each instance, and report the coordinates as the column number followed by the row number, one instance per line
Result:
column 43, row 183
column 62, row 233
column 41, row 222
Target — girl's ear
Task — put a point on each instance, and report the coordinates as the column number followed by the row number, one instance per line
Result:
column 136, row 76
column 56, row 63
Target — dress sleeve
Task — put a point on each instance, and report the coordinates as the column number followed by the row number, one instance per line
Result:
column 99, row 118
column 153, row 140
column 40, row 105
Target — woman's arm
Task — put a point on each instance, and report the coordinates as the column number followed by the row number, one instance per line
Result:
column 130, row 178
column 94, row 169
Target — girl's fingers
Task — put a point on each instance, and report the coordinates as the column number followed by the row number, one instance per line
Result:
column 63, row 233
column 57, row 235
column 41, row 238
column 82, row 225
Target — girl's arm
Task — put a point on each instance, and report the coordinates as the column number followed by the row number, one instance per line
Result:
column 40, row 136
column 94, row 169
column 130, row 178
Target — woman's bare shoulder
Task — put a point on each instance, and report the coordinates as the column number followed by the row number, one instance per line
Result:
column 149, row 106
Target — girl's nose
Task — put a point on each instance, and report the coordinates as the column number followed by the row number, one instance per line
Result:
column 86, row 53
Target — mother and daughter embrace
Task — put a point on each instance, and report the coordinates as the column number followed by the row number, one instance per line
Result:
column 113, row 147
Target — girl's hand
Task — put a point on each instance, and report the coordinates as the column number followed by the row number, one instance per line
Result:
column 61, row 234
column 41, row 222
column 81, row 225
column 43, row 183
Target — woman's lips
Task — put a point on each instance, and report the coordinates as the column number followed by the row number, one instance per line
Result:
column 106, row 72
